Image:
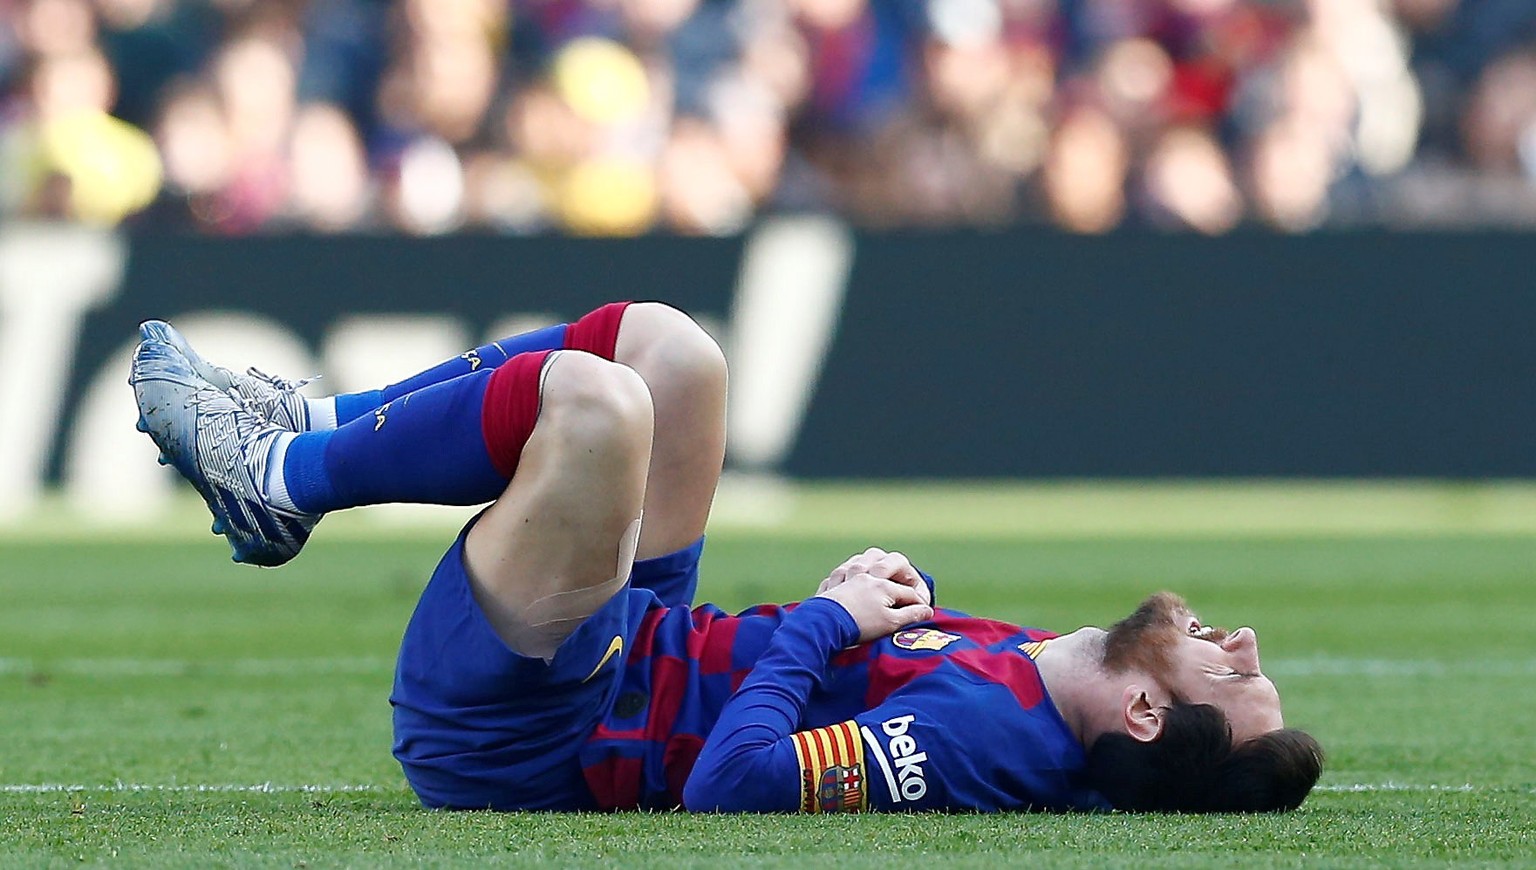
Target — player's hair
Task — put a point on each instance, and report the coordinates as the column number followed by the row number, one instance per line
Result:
column 1192, row 767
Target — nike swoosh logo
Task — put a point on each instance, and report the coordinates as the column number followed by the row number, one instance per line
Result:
column 615, row 646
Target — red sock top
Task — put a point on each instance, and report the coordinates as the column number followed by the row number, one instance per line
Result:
column 511, row 407
column 597, row 331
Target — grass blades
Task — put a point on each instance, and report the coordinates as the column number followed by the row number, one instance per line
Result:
column 162, row 707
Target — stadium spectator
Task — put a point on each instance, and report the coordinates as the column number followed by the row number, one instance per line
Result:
column 64, row 156
column 1085, row 172
column 327, row 170
column 193, row 139
column 253, row 77
column 695, row 116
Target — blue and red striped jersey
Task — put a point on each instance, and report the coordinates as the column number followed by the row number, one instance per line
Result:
column 948, row 714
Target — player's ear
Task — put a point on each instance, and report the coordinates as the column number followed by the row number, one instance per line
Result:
column 1142, row 713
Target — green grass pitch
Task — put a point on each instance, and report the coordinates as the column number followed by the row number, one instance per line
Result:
column 161, row 707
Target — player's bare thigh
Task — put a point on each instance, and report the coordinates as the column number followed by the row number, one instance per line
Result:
column 553, row 546
column 686, row 373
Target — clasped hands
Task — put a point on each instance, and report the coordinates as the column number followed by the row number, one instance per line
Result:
column 880, row 590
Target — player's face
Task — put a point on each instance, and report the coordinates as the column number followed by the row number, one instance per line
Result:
column 1200, row 664
column 1213, row 666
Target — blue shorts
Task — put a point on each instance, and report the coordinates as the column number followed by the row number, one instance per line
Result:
column 479, row 726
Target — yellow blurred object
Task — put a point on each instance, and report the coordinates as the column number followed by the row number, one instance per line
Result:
column 112, row 166
column 608, row 198
column 601, row 81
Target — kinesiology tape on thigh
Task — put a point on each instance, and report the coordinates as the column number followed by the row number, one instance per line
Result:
column 547, row 622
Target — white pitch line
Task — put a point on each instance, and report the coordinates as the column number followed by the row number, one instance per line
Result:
column 1320, row 666
column 277, row 788
column 136, row 667
column 215, row 788
column 1331, row 666
column 1358, row 788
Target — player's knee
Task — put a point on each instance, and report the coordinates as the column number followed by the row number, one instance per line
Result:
column 671, row 349
column 594, row 402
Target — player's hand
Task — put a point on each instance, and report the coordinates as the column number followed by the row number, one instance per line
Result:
column 887, row 565
column 879, row 605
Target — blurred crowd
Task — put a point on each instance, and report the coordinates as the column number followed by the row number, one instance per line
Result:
column 618, row 117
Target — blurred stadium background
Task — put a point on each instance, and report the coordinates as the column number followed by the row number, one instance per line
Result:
column 1078, row 297
column 1133, row 238
column 621, row 117
column 1056, row 239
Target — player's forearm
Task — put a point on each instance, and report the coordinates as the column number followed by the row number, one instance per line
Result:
column 748, row 763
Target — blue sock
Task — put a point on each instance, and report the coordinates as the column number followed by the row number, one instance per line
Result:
column 426, row 446
column 350, row 406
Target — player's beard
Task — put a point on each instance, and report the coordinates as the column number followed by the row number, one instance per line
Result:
column 1144, row 641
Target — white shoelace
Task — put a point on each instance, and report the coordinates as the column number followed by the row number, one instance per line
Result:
column 278, row 383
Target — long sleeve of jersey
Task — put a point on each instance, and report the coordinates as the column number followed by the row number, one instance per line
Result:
column 949, row 714
column 752, row 759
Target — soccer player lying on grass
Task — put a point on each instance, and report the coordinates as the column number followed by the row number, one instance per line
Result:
column 556, row 661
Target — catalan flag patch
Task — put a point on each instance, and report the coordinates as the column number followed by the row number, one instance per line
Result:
column 832, row 772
